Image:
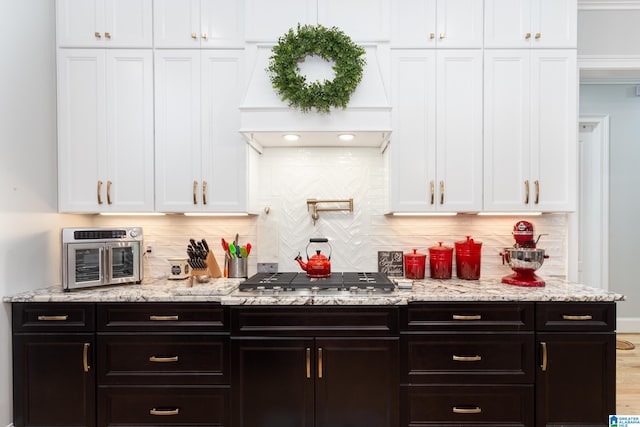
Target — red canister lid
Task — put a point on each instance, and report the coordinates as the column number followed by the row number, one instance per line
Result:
column 415, row 254
column 440, row 248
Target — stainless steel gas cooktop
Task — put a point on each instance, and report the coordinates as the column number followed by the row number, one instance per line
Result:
column 339, row 284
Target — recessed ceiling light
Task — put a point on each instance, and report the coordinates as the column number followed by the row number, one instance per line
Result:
column 346, row 137
column 291, row 137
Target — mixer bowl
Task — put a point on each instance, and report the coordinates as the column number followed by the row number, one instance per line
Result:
column 524, row 258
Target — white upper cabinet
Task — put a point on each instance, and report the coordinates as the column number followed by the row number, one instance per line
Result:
column 362, row 20
column 437, row 23
column 104, row 23
column 198, row 23
column 530, row 139
column 105, row 130
column 201, row 158
column 531, row 23
column 436, row 144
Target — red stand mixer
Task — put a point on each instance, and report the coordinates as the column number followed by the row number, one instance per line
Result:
column 524, row 258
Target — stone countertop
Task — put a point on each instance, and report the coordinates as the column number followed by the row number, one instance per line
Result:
column 489, row 289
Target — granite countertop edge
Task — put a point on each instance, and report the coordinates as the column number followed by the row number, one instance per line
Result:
column 223, row 291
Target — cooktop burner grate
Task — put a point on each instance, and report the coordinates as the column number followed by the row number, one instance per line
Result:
column 299, row 281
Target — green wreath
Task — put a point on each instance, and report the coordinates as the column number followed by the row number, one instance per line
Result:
column 332, row 45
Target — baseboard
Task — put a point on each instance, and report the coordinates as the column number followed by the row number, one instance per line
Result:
column 628, row 325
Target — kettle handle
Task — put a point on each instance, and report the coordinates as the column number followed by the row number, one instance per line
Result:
column 319, row 240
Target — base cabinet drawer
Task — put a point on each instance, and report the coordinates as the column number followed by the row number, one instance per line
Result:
column 163, row 406
column 162, row 359
column 462, row 405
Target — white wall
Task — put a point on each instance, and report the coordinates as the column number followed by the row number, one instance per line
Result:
column 29, row 225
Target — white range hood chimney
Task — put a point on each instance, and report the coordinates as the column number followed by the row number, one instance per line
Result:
column 265, row 119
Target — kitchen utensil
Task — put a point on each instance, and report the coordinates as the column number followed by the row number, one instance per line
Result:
column 243, row 252
column 468, row 254
column 318, row 266
column 414, row 265
column 440, row 261
column 248, row 248
column 232, row 250
column 238, row 268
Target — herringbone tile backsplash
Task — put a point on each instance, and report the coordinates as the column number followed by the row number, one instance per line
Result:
column 290, row 176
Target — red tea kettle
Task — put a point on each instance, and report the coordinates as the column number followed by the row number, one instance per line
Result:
column 318, row 266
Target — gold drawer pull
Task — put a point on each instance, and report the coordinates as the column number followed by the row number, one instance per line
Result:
column 176, row 317
column 161, row 359
column 320, row 363
column 581, row 317
column 466, row 358
column 85, row 357
column 545, row 360
column 475, row 410
column 308, row 362
column 155, row 411
column 467, row 317
column 54, row 318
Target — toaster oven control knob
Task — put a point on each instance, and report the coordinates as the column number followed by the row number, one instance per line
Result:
column 133, row 233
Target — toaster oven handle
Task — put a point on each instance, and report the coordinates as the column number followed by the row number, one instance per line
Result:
column 107, row 265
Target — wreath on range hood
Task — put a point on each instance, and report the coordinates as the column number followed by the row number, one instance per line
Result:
column 330, row 44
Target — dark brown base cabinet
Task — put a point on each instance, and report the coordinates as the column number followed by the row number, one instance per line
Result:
column 530, row 364
column 54, row 380
column 313, row 379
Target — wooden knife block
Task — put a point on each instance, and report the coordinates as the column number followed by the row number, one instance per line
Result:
column 212, row 270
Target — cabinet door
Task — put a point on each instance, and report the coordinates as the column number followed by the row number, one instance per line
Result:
column 129, row 131
column 177, row 152
column 221, row 23
column 81, row 129
column 554, row 23
column 413, row 140
column 273, row 382
column 459, row 23
column 224, row 152
column 554, row 131
column 127, row 23
column 459, row 131
column 575, row 380
column 507, row 23
column 357, row 382
column 176, row 23
column 79, row 23
column 506, row 129
column 361, row 20
column 54, row 380
column 413, row 23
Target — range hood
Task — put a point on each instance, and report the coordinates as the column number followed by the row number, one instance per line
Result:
column 265, row 119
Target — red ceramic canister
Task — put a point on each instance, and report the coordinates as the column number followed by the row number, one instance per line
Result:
column 414, row 265
column 440, row 261
column 468, row 254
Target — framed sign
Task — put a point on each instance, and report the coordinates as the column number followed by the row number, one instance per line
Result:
column 391, row 263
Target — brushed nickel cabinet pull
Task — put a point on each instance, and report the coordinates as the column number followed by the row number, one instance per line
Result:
column 155, row 411
column 433, row 192
column 457, row 410
column 320, row 363
column 577, row 317
column 466, row 358
column 467, row 317
column 543, row 346
column 152, row 317
column 99, row 190
column 536, row 184
column 107, row 35
column 97, row 35
column 308, row 365
column 442, row 192
column 195, row 190
column 204, row 192
column 161, row 359
column 109, row 183
column 526, row 189
column 85, row 357
column 54, row 318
